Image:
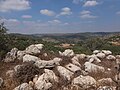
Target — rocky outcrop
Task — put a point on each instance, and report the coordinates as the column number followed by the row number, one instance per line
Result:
column 73, row 68
column 48, row 64
column 90, row 67
column 110, row 57
column 93, row 58
column 30, row 58
column 65, row 73
column 11, row 56
column 44, row 82
column 20, row 55
column 84, row 81
column 67, row 52
column 24, row 86
column 34, row 49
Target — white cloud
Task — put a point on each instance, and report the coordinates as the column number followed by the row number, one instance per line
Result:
column 86, row 15
column 54, row 22
column 47, row 12
column 14, row 5
column 26, row 16
column 90, row 3
column 118, row 13
column 10, row 21
column 66, row 11
column 85, row 12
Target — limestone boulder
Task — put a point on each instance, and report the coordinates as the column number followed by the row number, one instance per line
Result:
column 110, row 57
column 11, row 56
column 107, row 52
column 67, row 52
column 24, row 86
column 73, row 68
column 30, row 58
column 101, row 55
column 20, row 55
column 84, row 81
column 90, row 67
column 44, row 82
column 34, row 49
column 49, row 63
column 65, row 73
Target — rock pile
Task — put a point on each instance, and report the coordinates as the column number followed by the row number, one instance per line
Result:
column 75, row 73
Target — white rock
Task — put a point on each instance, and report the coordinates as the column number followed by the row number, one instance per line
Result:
column 84, row 81
column 67, row 52
column 29, row 58
column 75, row 61
column 48, row 64
column 10, row 73
column 39, row 46
column 106, row 88
column 81, row 56
column 65, row 73
column 35, row 78
column 11, row 56
column 45, row 81
column 73, row 68
column 93, row 58
column 110, row 57
column 101, row 55
column 107, row 52
column 1, row 82
column 104, row 81
column 96, row 51
column 24, row 86
column 51, row 75
column 33, row 50
column 117, row 61
column 90, row 67
column 20, row 55
column 118, row 56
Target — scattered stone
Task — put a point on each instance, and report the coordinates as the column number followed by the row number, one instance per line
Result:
column 84, row 81
column 49, row 63
column 107, row 52
column 90, row 67
column 81, row 56
column 34, row 49
column 24, row 86
column 75, row 61
column 106, row 88
column 65, row 73
column 30, row 58
column 11, row 56
column 100, row 55
column 96, row 51
column 20, row 55
column 45, row 81
column 110, row 57
column 67, row 52
column 104, row 81
column 73, row 68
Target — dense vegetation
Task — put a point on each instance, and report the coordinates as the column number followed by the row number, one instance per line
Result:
column 83, row 43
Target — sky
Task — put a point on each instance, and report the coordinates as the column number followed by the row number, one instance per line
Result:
column 60, row 16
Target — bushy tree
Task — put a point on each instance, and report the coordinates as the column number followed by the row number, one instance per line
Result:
column 3, row 40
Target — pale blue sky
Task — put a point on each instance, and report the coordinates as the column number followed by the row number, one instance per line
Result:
column 60, row 16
